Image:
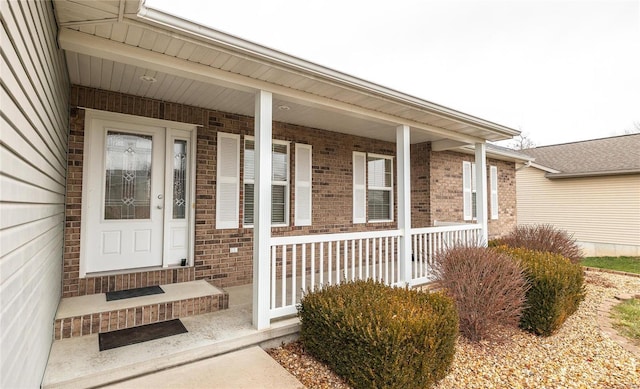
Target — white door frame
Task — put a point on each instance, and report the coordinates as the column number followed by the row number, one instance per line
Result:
column 173, row 130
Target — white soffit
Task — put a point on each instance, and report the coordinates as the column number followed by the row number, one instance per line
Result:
column 353, row 108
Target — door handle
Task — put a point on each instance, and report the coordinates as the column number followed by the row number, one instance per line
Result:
column 159, row 206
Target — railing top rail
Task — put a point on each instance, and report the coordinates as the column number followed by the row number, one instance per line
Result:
column 458, row 227
column 299, row 239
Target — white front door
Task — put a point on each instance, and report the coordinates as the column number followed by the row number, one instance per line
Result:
column 136, row 196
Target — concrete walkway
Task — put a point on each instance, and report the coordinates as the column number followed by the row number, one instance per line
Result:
column 245, row 369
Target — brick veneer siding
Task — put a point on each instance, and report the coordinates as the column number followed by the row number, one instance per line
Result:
column 420, row 185
column 446, row 190
column 332, row 188
column 71, row 327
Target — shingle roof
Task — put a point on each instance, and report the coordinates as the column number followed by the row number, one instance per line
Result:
column 614, row 155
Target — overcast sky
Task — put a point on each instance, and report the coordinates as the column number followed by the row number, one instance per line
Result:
column 559, row 71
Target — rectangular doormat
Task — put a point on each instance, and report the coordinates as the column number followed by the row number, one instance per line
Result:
column 133, row 335
column 130, row 293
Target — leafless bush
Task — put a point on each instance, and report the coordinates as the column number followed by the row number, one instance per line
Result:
column 488, row 287
column 546, row 238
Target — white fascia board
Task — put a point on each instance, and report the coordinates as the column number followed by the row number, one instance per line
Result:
column 119, row 52
column 544, row 168
column 247, row 48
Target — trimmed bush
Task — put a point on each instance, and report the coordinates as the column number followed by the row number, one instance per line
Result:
column 542, row 237
column 556, row 289
column 488, row 288
column 375, row 336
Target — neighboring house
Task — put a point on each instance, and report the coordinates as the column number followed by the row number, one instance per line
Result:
column 590, row 189
column 142, row 149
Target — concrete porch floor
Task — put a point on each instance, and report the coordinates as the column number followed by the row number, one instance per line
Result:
column 77, row 362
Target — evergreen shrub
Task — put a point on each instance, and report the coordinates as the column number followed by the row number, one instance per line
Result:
column 376, row 336
column 556, row 288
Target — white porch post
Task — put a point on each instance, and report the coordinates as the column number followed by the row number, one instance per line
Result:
column 262, row 210
column 404, row 201
column 481, row 190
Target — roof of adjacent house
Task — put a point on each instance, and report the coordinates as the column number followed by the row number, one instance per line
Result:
column 597, row 157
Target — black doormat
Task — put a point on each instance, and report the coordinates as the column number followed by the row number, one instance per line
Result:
column 133, row 335
column 130, row 293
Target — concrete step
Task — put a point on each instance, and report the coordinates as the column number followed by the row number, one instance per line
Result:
column 92, row 314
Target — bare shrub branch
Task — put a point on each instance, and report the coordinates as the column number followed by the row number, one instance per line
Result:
column 545, row 238
column 489, row 289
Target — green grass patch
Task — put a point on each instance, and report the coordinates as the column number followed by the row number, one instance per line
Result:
column 627, row 264
column 626, row 316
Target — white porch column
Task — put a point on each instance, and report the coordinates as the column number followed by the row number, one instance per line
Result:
column 481, row 190
column 404, row 201
column 262, row 210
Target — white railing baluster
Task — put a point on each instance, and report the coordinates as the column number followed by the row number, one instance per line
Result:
column 360, row 259
column 337, row 262
column 330, row 259
column 322, row 266
column 353, row 260
column 346, row 260
column 273, row 276
column 294, row 266
column 386, row 261
column 394, row 270
column 313, row 267
column 366, row 257
column 303, row 273
column 283, row 281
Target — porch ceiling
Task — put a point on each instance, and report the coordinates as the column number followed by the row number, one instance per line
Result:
column 109, row 44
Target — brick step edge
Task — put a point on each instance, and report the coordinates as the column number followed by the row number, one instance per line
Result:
column 71, row 327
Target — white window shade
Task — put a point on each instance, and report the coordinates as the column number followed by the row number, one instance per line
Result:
column 303, row 185
column 228, row 181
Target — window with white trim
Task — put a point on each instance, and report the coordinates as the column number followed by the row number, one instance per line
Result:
column 279, row 182
column 372, row 187
column 469, row 190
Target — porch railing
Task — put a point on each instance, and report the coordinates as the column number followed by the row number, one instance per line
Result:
column 308, row 262
column 427, row 242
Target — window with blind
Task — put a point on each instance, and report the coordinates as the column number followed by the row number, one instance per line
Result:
column 279, row 182
column 376, row 203
column 469, row 190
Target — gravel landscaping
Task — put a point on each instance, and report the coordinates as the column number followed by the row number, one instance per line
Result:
column 577, row 356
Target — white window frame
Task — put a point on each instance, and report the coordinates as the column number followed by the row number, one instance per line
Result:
column 469, row 181
column 285, row 184
column 368, row 187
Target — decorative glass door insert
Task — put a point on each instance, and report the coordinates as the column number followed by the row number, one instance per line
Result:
column 127, row 176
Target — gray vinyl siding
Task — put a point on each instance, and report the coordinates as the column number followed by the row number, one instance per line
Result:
column 33, row 152
column 602, row 210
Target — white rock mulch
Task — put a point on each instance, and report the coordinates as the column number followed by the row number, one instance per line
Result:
column 579, row 355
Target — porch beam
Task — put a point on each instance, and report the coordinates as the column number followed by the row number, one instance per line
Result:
column 118, row 52
column 262, row 210
column 481, row 190
column 403, row 158
column 447, row 144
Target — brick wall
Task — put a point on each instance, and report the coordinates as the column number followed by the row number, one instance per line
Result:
column 436, row 192
column 446, row 190
column 332, row 187
column 420, row 193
